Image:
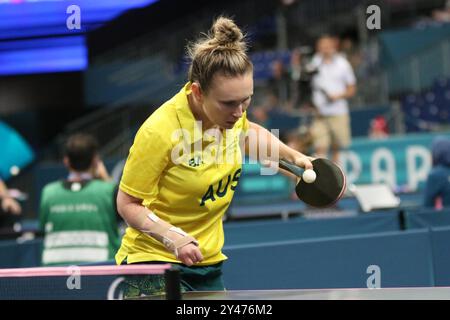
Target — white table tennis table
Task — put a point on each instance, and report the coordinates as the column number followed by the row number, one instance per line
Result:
column 422, row 293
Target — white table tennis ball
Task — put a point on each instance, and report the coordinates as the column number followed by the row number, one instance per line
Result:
column 309, row 176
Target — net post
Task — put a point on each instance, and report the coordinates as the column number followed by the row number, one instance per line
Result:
column 173, row 289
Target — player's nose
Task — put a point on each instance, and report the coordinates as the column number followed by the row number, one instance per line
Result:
column 238, row 112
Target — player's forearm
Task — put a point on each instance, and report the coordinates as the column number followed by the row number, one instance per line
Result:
column 274, row 147
column 143, row 219
column 133, row 212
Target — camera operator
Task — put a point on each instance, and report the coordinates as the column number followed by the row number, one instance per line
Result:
column 301, row 77
column 332, row 84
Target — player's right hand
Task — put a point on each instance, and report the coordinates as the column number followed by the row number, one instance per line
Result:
column 190, row 254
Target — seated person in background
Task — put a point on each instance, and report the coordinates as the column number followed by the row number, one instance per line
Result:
column 378, row 128
column 78, row 215
column 8, row 204
column 437, row 189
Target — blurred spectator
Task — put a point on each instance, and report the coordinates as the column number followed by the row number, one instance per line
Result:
column 442, row 15
column 378, row 128
column 299, row 139
column 300, row 81
column 436, row 18
column 78, row 215
column 332, row 85
column 259, row 115
column 437, row 188
column 8, row 203
column 279, row 84
column 351, row 52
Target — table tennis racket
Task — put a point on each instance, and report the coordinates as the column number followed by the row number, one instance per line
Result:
column 328, row 187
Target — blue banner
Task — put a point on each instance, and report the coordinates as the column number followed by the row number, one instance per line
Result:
column 401, row 161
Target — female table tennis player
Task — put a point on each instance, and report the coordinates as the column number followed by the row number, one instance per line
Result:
column 174, row 191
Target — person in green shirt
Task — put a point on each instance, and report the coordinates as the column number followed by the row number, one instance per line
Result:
column 78, row 215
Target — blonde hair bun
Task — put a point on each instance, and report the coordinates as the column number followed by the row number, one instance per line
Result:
column 225, row 32
column 222, row 50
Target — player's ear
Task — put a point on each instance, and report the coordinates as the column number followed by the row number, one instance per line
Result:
column 197, row 91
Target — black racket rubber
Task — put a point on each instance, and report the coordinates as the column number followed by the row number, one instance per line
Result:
column 328, row 187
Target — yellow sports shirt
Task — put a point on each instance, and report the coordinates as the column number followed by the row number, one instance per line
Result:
column 185, row 175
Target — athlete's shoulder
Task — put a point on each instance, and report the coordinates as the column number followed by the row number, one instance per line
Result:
column 52, row 189
column 107, row 186
column 164, row 117
column 52, row 186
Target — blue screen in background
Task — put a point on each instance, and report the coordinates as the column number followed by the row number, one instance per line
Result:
column 34, row 37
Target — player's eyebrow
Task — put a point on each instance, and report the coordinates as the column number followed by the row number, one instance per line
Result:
column 235, row 101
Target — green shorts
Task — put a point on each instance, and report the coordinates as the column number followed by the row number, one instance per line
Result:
column 200, row 278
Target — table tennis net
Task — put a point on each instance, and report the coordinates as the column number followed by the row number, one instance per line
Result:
column 72, row 282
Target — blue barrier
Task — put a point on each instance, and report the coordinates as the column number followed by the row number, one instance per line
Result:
column 27, row 254
column 56, row 288
column 404, row 259
column 440, row 238
column 325, row 253
column 426, row 218
column 20, row 255
column 299, row 228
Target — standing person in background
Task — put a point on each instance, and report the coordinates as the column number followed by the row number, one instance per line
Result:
column 300, row 81
column 78, row 215
column 279, row 84
column 332, row 85
column 295, row 69
column 437, row 188
column 174, row 204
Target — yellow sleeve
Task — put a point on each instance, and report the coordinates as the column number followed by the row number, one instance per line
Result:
column 147, row 159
